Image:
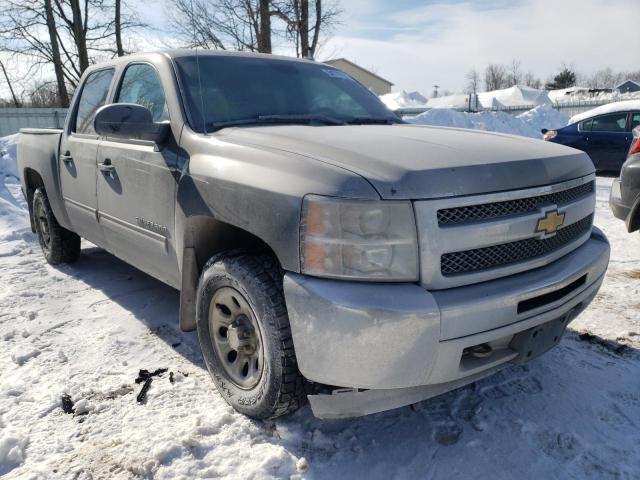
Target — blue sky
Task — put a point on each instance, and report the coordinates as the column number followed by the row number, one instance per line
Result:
column 370, row 18
column 417, row 44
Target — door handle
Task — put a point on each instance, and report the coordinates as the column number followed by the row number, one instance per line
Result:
column 66, row 157
column 106, row 166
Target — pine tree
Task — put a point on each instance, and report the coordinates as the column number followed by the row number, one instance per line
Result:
column 565, row 79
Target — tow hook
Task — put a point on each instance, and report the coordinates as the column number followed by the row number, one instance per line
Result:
column 482, row 350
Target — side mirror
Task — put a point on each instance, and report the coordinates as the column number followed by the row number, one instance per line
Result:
column 129, row 121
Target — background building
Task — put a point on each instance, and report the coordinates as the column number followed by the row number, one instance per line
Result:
column 373, row 82
column 628, row 87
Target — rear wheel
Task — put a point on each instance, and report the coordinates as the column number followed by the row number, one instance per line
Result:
column 58, row 244
column 244, row 333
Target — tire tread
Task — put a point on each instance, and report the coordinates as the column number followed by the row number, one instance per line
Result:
column 65, row 244
column 264, row 271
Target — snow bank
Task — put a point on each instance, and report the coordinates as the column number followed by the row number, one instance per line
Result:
column 608, row 108
column 543, row 116
column 581, row 94
column 12, row 206
column 515, row 96
column 8, row 165
column 11, row 451
column 403, row 99
column 527, row 124
column 568, row 94
column 449, row 101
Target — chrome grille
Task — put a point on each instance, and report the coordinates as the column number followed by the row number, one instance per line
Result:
column 476, row 213
column 507, row 253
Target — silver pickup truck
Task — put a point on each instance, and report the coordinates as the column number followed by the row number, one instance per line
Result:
column 324, row 249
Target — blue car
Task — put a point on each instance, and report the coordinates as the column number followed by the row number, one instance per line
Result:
column 606, row 137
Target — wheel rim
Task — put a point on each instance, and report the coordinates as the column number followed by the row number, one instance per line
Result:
column 43, row 225
column 236, row 337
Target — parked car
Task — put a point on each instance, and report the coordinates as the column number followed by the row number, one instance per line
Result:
column 321, row 246
column 605, row 137
column 624, row 199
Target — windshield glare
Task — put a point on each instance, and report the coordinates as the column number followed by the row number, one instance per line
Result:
column 239, row 89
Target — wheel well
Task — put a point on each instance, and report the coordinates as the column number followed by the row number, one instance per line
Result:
column 211, row 237
column 204, row 238
column 33, row 181
column 634, row 217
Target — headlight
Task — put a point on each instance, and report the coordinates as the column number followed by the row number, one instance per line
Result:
column 358, row 239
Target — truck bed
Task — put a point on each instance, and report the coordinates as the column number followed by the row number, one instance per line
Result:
column 38, row 152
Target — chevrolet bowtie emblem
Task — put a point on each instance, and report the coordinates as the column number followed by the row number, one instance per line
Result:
column 550, row 223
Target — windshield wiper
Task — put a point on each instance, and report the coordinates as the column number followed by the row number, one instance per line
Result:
column 303, row 118
column 373, row 121
column 276, row 119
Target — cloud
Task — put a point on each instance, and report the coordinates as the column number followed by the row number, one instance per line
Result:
column 440, row 42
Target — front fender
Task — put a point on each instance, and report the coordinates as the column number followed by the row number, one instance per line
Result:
column 256, row 190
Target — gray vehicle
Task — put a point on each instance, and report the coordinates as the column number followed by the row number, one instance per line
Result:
column 324, row 250
column 624, row 198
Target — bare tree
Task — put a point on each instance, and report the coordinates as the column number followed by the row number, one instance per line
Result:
column 16, row 102
column 306, row 20
column 63, row 35
column 222, row 24
column 530, row 80
column 55, row 58
column 473, row 81
column 515, row 76
column 607, row 78
column 195, row 24
column 495, row 77
column 117, row 20
column 44, row 95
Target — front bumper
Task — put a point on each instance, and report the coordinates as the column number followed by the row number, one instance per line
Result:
column 625, row 204
column 404, row 344
column 617, row 205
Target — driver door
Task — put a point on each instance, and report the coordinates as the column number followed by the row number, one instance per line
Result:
column 137, row 184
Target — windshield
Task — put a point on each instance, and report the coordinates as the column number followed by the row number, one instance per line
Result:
column 241, row 90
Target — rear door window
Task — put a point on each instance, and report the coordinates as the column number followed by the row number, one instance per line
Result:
column 141, row 85
column 615, row 122
column 93, row 96
column 635, row 120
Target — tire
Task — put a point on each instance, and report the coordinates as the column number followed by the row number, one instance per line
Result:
column 261, row 380
column 58, row 244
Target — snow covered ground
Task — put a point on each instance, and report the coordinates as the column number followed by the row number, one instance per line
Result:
column 86, row 329
column 527, row 124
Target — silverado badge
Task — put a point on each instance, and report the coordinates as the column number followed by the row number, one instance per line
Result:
column 550, row 222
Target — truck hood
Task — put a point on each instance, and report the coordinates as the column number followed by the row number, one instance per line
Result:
column 417, row 162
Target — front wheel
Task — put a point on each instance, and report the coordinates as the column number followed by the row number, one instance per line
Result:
column 58, row 244
column 245, row 337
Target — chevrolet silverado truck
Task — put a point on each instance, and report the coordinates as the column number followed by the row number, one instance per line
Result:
column 325, row 250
